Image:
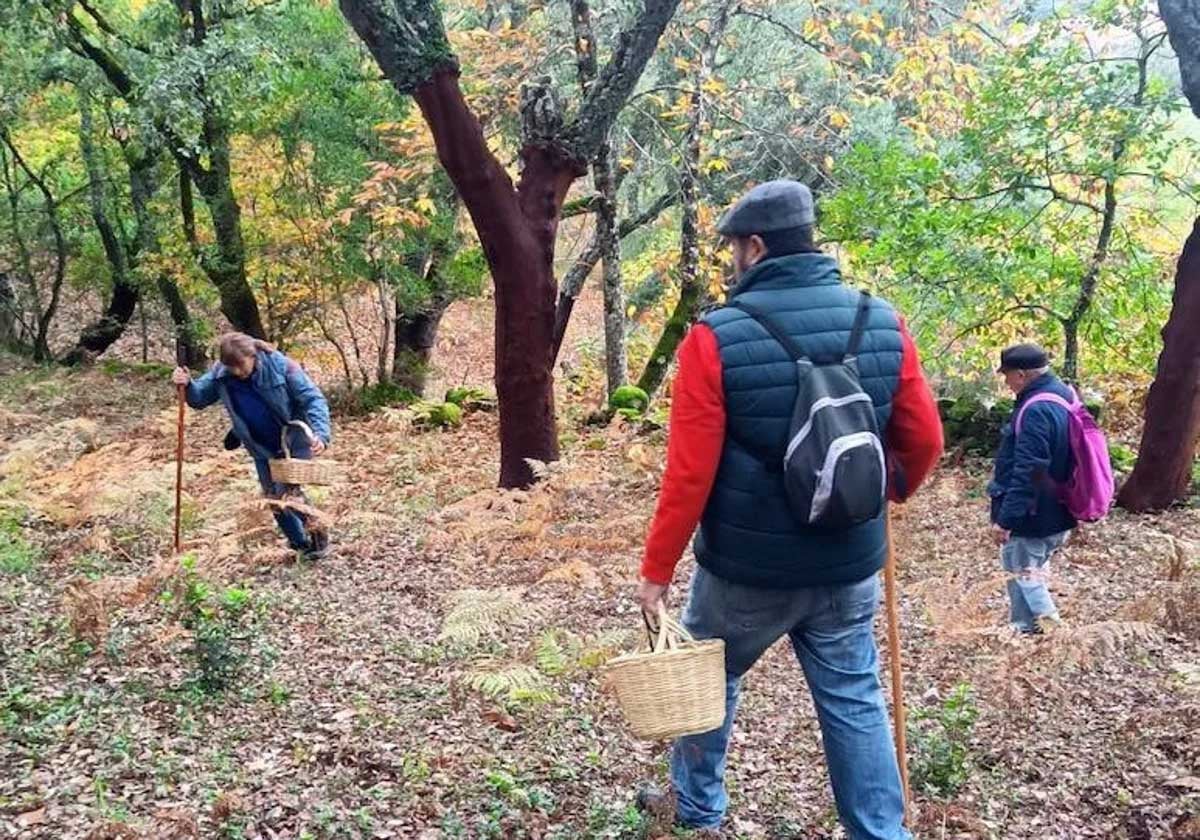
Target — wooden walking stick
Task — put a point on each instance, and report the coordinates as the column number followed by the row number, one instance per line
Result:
column 181, row 393
column 893, row 633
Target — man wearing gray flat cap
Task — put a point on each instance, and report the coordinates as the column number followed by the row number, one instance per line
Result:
column 799, row 383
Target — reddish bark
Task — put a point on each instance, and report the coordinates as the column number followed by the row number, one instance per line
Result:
column 1172, row 430
column 517, row 228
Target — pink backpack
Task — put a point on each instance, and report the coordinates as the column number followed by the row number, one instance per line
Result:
column 1088, row 492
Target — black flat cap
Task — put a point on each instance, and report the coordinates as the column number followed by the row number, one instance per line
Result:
column 775, row 205
column 1023, row 357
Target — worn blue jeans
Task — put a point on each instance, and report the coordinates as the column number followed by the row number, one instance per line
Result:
column 1027, row 560
column 831, row 629
column 293, row 523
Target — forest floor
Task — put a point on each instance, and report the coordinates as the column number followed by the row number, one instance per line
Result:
column 438, row 675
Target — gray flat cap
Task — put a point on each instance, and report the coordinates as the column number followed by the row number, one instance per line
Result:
column 775, row 205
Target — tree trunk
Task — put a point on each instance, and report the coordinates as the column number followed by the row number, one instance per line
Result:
column 9, row 335
column 226, row 266
column 1182, row 18
column 44, row 317
column 691, row 292
column 416, row 336
column 387, row 325
column 100, row 335
column 1172, row 428
column 615, row 361
column 516, row 229
column 19, row 310
column 142, row 186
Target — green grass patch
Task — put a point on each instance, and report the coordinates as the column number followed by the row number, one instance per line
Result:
column 148, row 370
column 17, row 555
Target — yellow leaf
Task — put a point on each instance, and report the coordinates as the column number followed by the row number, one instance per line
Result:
column 868, row 60
column 839, row 119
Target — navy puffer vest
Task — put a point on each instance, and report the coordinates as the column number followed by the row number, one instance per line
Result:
column 748, row 534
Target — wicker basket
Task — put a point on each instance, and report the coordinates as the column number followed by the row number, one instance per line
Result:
column 289, row 470
column 676, row 688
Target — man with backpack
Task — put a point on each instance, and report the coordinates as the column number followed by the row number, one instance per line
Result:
column 796, row 409
column 1052, row 470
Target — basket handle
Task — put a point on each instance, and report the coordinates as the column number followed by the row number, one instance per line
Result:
column 283, row 435
column 670, row 631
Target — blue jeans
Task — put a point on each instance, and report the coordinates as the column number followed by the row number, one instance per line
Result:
column 831, row 629
column 293, row 523
column 1027, row 559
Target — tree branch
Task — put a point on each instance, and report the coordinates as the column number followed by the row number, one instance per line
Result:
column 605, row 98
column 407, row 38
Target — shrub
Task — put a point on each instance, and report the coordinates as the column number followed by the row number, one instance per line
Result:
column 17, row 555
column 939, row 740
column 470, row 399
column 221, row 633
column 437, row 415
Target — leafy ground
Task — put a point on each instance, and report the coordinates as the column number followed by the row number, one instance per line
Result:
column 437, row 676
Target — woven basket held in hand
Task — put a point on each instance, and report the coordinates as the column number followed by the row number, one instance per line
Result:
column 289, row 470
column 676, row 688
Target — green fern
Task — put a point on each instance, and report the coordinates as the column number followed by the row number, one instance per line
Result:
column 594, row 651
column 515, row 683
column 552, row 658
column 476, row 613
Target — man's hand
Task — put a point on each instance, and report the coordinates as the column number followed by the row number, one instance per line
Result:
column 1000, row 535
column 181, row 376
column 650, row 595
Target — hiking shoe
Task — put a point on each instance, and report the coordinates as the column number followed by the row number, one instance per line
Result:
column 1050, row 624
column 318, row 548
column 657, row 804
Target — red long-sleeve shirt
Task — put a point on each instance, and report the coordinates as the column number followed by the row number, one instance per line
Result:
column 913, row 440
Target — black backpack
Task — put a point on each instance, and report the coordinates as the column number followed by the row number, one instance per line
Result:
column 834, row 469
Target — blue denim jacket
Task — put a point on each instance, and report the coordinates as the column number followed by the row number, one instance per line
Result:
column 285, row 387
column 1029, row 466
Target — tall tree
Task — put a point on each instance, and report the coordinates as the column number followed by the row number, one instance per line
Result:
column 1172, row 421
column 607, row 234
column 43, row 310
column 206, row 158
column 98, row 336
column 692, row 287
column 517, row 225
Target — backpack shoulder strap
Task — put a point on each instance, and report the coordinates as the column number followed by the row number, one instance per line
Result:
column 1039, row 398
column 860, row 323
column 789, row 344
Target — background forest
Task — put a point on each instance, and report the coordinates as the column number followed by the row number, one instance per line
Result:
column 484, row 226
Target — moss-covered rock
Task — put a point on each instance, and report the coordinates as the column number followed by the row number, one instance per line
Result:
column 629, row 398
column 972, row 424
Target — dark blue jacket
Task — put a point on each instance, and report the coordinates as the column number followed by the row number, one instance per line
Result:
column 748, row 533
column 1028, row 466
column 286, row 389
